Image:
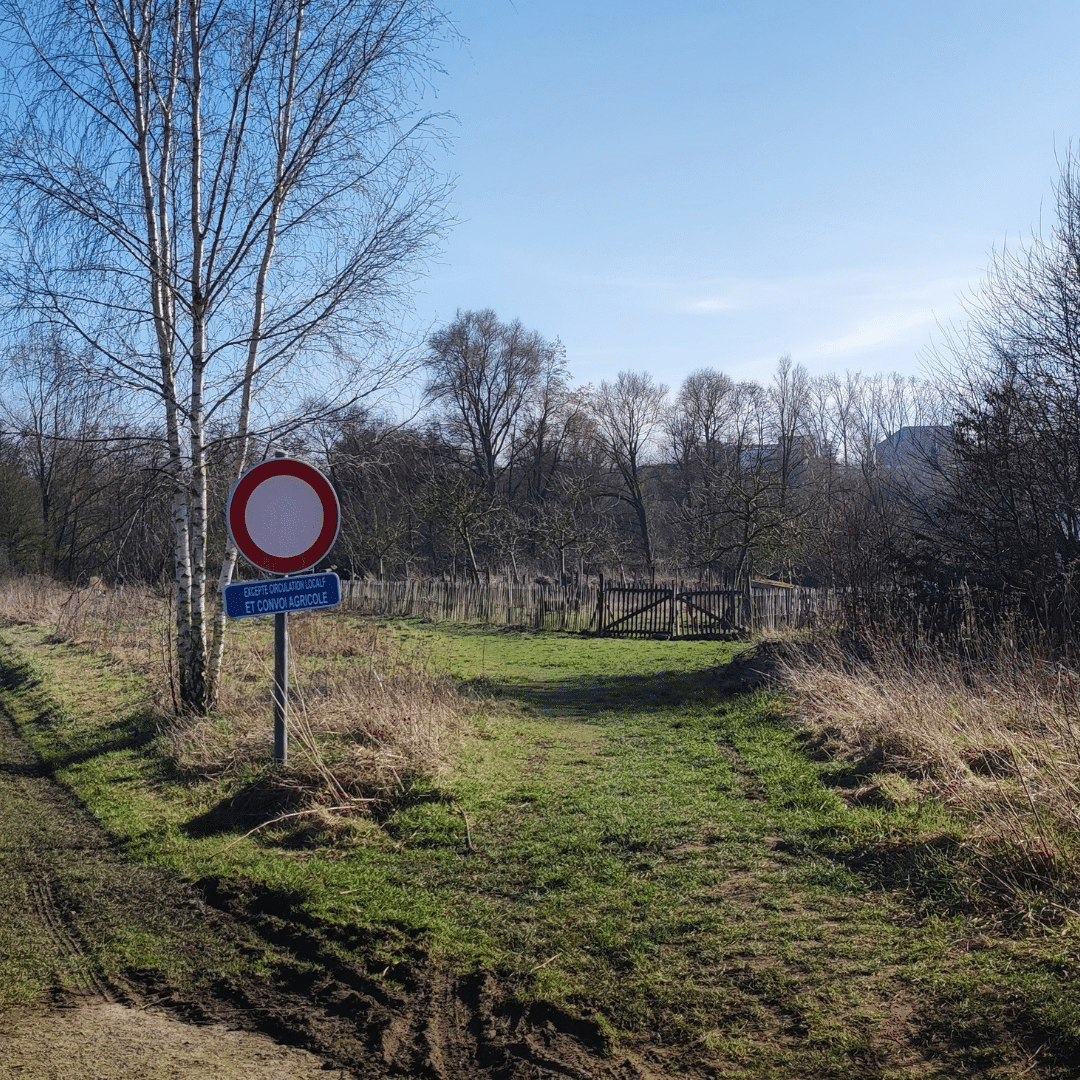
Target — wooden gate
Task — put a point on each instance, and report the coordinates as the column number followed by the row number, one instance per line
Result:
column 709, row 612
column 636, row 611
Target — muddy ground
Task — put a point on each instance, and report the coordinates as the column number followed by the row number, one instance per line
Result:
column 66, row 894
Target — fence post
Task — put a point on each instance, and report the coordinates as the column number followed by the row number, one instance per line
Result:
column 600, row 608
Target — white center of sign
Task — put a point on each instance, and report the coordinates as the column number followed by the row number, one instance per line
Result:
column 284, row 516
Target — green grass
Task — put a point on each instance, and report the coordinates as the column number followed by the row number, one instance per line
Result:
column 648, row 852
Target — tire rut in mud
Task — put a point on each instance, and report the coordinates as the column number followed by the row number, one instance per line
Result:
column 63, row 876
column 421, row 1022
column 71, row 891
column 79, row 970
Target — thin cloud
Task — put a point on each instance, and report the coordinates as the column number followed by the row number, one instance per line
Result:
column 872, row 332
column 835, row 290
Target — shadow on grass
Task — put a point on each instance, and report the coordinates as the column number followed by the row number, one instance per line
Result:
column 253, row 805
column 131, row 732
column 14, row 675
column 280, row 796
column 582, row 697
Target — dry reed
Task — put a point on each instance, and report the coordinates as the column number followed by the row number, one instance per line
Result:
column 994, row 737
column 31, row 599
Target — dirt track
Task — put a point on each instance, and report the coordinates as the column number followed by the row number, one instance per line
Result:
column 103, row 1041
column 66, row 893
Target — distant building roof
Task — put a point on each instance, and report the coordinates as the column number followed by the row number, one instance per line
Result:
column 913, row 444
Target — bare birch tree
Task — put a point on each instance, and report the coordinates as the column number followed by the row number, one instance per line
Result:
column 219, row 199
column 627, row 415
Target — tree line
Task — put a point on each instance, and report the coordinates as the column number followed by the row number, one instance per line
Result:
column 509, row 470
column 512, row 470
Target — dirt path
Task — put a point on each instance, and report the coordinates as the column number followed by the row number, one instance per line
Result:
column 61, row 883
column 105, row 1041
column 68, row 897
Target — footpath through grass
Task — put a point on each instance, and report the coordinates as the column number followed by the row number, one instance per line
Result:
column 623, row 838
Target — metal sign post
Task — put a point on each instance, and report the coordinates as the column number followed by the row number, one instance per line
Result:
column 283, row 515
column 281, row 687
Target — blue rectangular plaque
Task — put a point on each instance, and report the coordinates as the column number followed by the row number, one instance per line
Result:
column 271, row 596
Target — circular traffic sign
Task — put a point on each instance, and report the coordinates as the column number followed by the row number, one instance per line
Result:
column 283, row 515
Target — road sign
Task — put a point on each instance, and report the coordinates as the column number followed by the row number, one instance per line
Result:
column 283, row 515
column 271, row 596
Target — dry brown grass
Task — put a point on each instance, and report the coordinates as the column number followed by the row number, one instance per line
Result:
column 88, row 612
column 132, row 624
column 997, row 737
column 31, row 599
column 364, row 720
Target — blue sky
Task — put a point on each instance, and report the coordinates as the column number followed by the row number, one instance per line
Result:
column 719, row 182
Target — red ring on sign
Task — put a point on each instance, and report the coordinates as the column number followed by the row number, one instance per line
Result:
column 236, row 510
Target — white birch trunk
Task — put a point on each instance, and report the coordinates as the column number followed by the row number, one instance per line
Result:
column 228, row 566
column 155, row 195
column 197, row 698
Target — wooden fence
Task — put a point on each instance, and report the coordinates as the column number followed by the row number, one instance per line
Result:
column 549, row 607
column 666, row 611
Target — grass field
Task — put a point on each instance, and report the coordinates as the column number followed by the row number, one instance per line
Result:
column 615, row 833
